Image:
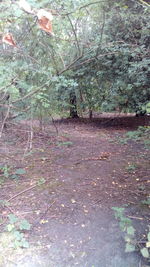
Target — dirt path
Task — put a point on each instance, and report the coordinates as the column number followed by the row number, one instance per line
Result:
column 81, row 175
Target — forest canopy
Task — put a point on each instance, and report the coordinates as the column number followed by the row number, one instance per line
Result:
column 60, row 56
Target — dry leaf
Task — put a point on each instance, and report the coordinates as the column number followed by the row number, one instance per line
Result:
column 43, row 221
column 8, row 39
column 45, row 20
column 43, row 13
column 86, row 211
column 45, row 24
column 25, row 6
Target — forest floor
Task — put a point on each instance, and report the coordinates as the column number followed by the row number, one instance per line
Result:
column 66, row 188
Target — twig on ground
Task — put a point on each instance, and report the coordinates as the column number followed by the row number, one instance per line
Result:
column 134, row 217
column 22, row 192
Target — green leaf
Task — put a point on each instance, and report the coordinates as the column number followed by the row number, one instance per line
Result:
column 10, row 227
column 127, row 238
column 14, row 176
column 18, row 235
column 130, row 230
column 20, row 171
column 145, row 253
column 24, row 243
column 129, row 248
column 24, row 225
column 16, row 244
column 41, row 181
column 12, row 218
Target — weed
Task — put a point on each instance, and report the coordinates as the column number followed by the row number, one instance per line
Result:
column 131, row 167
column 15, row 228
column 5, row 169
column 140, row 135
column 132, row 243
column 8, row 172
column 146, row 202
column 41, row 181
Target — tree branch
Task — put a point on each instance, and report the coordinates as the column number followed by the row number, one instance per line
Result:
column 75, row 35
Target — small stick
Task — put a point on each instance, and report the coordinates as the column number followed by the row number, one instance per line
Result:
column 20, row 193
column 134, row 217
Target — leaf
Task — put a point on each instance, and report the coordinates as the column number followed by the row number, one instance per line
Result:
column 18, row 235
column 8, row 39
column 12, row 218
column 73, row 201
column 148, row 244
column 16, row 244
column 24, row 225
column 25, row 6
column 129, row 248
column 130, row 230
column 127, row 238
column 20, row 171
column 14, row 176
column 144, row 252
column 44, row 20
column 43, row 13
column 25, row 244
column 41, row 181
column 10, row 227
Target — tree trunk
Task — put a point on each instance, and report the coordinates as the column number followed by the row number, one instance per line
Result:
column 90, row 114
column 73, row 108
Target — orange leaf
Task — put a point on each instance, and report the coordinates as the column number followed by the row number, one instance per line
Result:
column 45, row 24
column 8, row 39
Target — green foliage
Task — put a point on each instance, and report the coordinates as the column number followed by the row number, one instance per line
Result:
column 15, row 228
column 131, row 242
column 131, row 167
column 4, row 203
column 141, row 135
column 8, row 172
column 41, row 181
column 5, row 170
column 146, row 202
column 105, row 71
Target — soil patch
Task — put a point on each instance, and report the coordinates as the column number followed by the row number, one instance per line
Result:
column 71, row 182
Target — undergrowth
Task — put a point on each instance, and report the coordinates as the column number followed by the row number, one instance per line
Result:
column 141, row 135
column 132, row 242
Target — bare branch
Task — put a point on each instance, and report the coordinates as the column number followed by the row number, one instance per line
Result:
column 75, row 35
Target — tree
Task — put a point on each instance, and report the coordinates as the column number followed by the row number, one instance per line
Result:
column 91, row 55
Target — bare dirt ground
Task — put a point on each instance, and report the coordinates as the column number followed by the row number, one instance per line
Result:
column 71, row 183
